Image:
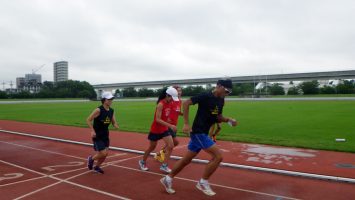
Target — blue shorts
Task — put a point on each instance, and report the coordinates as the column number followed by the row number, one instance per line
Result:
column 100, row 144
column 156, row 137
column 199, row 141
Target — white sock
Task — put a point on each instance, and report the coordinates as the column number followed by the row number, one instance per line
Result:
column 203, row 180
column 168, row 178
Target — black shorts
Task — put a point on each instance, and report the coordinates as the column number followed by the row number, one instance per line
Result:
column 172, row 133
column 156, row 137
column 101, row 143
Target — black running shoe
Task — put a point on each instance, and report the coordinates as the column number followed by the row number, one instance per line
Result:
column 90, row 163
column 98, row 170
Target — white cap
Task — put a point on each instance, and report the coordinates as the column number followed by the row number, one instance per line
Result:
column 107, row 95
column 173, row 93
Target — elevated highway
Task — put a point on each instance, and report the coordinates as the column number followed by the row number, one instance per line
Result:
column 332, row 75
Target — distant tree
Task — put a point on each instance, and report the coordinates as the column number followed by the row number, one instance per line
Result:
column 293, row 91
column 118, row 93
column 310, row 87
column 70, row 89
column 129, row 92
column 192, row 90
column 276, row 89
column 327, row 90
column 145, row 92
column 209, row 87
column 347, row 87
column 243, row 89
column 3, row 95
column 22, row 95
column 159, row 91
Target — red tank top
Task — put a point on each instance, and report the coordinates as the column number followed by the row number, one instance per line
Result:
column 156, row 127
column 175, row 112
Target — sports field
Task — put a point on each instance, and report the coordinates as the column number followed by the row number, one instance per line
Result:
column 309, row 124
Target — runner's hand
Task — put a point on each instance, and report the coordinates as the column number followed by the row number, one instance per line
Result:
column 173, row 127
column 232, row 122
column 116, row 126
column 93, row 134
column 186, row 129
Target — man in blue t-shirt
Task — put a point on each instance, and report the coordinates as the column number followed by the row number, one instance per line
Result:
column 210, row 106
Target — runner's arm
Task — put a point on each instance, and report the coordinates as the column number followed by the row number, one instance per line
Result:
column 89, row 120
column 114, row 122
column 186, row 108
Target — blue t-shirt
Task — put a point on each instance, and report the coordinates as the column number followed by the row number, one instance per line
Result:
column 209, row 107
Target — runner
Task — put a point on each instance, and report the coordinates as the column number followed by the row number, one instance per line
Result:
column 210, row 106
column 160, row 128
column 174, row 118
column 102, row 116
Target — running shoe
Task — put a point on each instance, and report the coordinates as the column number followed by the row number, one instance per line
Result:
column 164, row 167
column 142, row 165
column 90, row 163
column 98, row 170
column 205, row 188
column 167, row 185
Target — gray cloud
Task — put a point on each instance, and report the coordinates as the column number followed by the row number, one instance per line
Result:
column 120, row 41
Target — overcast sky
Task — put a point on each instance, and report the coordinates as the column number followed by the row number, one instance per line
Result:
column 112, row 41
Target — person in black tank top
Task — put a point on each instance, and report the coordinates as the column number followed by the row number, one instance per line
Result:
column 102, row 116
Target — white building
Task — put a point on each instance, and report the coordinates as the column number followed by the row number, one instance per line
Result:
column 60, row 71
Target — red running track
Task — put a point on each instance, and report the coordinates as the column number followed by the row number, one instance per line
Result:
column 25, row 173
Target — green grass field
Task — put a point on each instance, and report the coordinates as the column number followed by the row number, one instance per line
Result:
column 309, row 124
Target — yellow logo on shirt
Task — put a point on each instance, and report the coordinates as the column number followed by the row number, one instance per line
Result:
column 107, row 120
column 215, row 111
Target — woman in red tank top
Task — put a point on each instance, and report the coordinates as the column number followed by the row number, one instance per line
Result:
column 160, row 128
column 174, row 117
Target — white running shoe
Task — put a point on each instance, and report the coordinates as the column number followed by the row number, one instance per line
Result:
column 168, row 185
column 205, row 188
column 142, row 165
column 165, row 168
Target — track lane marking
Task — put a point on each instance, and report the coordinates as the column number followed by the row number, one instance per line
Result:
column 61, row 181
column 233, row 188
column 217, row 185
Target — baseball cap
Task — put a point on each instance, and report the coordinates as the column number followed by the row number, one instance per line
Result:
column 226, row 83
column 107, row 95
column 173, row 93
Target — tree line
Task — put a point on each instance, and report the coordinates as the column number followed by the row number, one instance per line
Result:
column 77, row 89
column 63, row 89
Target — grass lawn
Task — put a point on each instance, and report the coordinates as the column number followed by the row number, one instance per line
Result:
column 309, row 124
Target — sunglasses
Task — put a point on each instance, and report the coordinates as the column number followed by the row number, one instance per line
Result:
column 228, row 91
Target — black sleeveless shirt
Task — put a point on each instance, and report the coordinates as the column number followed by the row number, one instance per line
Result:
column 102, row 122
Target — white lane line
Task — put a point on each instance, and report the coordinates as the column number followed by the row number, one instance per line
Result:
column 119, row 161
column 103, row 165
column 26, row 169
column 23, row 181
column 60, row 181
column 116, row 155
column 52, row 152
column 217, row 185
column 36, row 191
